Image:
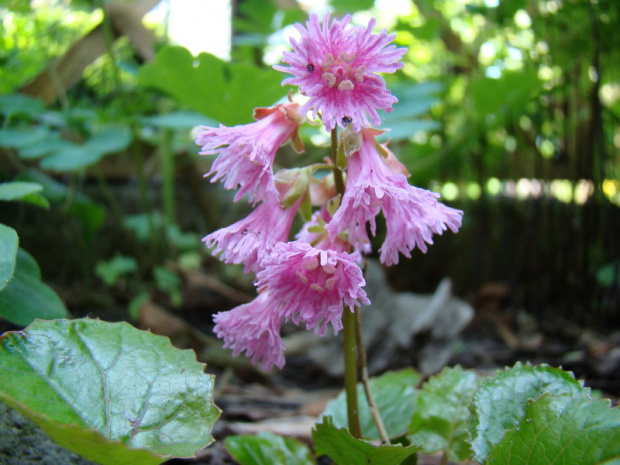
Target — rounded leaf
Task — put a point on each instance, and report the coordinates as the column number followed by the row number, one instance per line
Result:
column 500, row 403
column 108, row 391
column 562, row 430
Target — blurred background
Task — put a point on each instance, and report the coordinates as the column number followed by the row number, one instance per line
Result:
column 510, row 110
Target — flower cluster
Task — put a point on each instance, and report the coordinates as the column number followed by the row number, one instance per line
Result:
column 313, row 279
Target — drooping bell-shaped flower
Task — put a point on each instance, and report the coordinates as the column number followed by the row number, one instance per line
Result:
column 311, row 286
column 245, row 241
column 246, row 152
column 253, row 328
column 412, row 215
column 336, row 67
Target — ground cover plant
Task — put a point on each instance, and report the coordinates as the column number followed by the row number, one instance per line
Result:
column 116, row 394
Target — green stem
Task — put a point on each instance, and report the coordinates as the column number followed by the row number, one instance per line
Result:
column 372, row 405
column 338, row 179
column 350, row 372
column 348, row 323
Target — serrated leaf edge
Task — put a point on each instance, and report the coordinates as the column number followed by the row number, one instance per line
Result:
column 25, row 411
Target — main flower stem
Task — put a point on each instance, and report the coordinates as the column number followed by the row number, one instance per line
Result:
column 348, row 323
column 350, row 372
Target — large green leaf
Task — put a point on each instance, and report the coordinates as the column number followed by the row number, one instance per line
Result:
column 499, row 405
column 23, row 191
column 9, row 243
column 266, row 448
column 26, row 297
column 563, row 431
column 108, row 391
column 225, row 92
column 343, row 448
column 395, row 396
column 441, row 414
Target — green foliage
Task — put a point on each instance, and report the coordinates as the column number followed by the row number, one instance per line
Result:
column 441, row 413
column 61, row 155
column 562, row 430
column 112, row 270
column 9, row 243
column 20, row 105
column 414, row 101
column 26, row 297
column 395, row 396
column 110, row 392
column 499, row 96
column 87, row 211
column 178, row 120
column 74, row 157
column 228, row 93
column 266, row 448
column 23, row 297
column 23, row 191
column 500, row 404
column 608, row 275
column 349, row 6
column 343, row 448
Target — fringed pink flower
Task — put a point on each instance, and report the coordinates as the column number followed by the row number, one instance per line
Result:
column 246, row 240
column 336, row 67
column 253, row 328
column 311, row 286
column 412, row 215
column 246, row 152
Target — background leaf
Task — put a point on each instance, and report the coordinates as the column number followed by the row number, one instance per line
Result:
column 564, row 431
column 26, row 297
column 441, row 413
column 17, row 138
column 395, row 395
column 108, row 391
column 499, row 405
column 69, row 159
column 23, row 191
column 90, row 213
column 228, row 93
column 343, row 448
column 267, row 448
column 9, row 243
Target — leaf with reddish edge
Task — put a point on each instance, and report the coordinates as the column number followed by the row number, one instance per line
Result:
column 108, row 391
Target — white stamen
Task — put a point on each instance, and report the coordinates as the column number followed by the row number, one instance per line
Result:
column 345, row 85
column 347, row 56
column 359, row 74
column 311, row 263
column 329, row 268
column 316, row 287
column 328, row 61
column 329, row 79
column 329, row 283
column 301, row 277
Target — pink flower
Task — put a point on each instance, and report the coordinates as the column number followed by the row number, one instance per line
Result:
column 246, row 159
column 336, row 68
column 314, row 233
column 245, row 241
column 412, row 215
column 253, row 328
column 311, row 286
